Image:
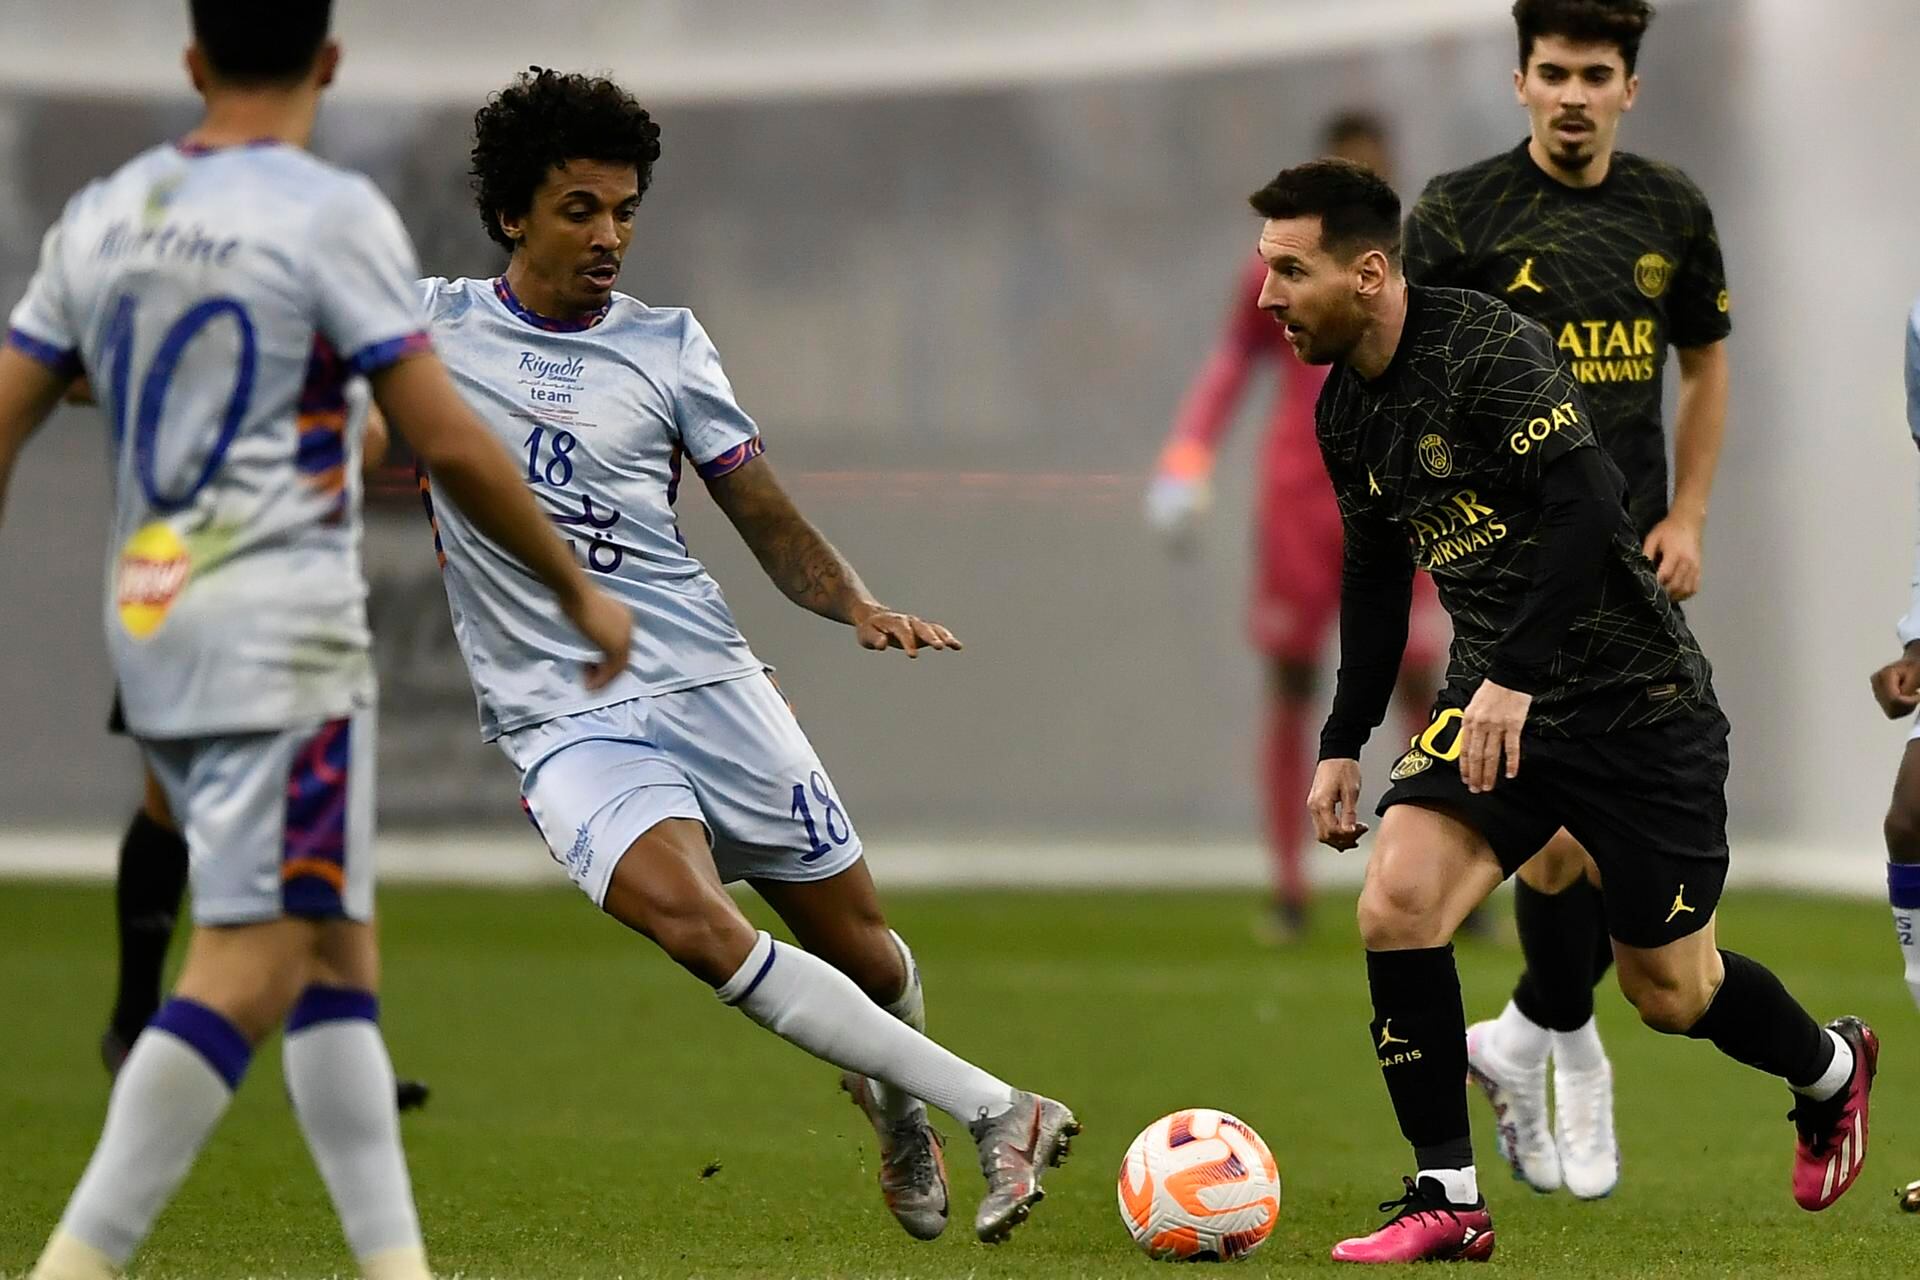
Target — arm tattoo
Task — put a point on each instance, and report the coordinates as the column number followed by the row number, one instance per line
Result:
column 802, row 563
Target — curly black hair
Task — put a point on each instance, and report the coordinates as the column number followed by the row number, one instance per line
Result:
column 1622, row 23
column 546, row 118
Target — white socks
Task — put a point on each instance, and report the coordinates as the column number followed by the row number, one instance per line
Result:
column 808, row 1002
column 1838, row 1072
column 1579, row 1051
column 1462, row 1185
column 911, row 1008
column 341, row 1083
column 172, row 1090
column 1523, row 1042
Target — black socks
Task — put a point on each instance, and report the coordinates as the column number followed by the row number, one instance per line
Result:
column 147, row 891
column 1420, row 1039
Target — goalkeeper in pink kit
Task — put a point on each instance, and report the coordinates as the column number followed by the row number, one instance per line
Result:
column 1296, row 587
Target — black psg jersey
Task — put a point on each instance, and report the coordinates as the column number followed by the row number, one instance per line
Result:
column 1618, row 273
column 1438, row 463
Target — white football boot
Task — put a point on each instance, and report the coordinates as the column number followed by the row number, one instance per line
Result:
column 1519, row 1100
column 1583, row 1130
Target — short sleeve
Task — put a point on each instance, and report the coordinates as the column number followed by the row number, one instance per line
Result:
column 1435, row 251
column 1913, row 372
column 1515, row 392
column 364, row 277
column 715, row 431
column 40, row 325
column 1698, row 315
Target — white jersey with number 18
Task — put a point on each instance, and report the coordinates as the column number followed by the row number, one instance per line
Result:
column 602, row 414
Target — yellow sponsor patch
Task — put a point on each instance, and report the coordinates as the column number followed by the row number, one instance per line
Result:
column 1413, row 763
column 153, row 569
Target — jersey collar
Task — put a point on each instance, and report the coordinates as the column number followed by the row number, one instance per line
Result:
column 186, row 148
column 511, row 301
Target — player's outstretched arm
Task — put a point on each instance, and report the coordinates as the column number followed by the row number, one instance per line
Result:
column 808, row 569
column 421, row 402
column 29, row 390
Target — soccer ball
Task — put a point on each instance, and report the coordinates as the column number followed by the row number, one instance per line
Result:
column 1199, row 1186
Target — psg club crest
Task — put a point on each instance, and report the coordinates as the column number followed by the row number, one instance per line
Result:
column 1435, row 456
column 1413, row 763
column 1652, row 274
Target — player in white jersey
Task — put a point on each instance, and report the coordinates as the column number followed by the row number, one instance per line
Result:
column 150, row 876
column 689, row 769
column 218, row 294
column 1896, row 687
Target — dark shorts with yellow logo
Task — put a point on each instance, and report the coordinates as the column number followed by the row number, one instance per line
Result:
column 1650, row 805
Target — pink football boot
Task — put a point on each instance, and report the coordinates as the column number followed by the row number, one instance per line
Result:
column 1424, row 1228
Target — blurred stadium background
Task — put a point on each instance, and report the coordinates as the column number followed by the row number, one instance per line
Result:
column 961, row 261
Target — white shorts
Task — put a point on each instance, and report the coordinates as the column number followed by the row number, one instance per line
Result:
column 730, row 756
column 277, row 824
column 1913, row 734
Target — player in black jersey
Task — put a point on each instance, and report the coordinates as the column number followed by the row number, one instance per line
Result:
column 1575, row 697
column 1616, row 255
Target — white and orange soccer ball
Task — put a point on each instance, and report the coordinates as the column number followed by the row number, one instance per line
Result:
column 1199, row 1186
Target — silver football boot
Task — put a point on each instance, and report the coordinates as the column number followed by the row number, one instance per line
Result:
column 1029, row 1136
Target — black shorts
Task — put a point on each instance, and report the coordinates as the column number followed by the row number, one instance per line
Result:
column 1650, row 805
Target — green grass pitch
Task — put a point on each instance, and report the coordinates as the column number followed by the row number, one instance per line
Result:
column 583, row 1086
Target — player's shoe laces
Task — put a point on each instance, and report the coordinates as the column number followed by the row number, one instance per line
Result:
column 1518, row 1096
column 913, row 1173
column 1425, row 1227
column 1015, row 1146
column 1583, row 1130
column 1832, row 1142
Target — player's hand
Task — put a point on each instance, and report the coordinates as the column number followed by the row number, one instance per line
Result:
column 1491, row 728
column 883, row 628
column 1174, row 508
column 1896, row 686
column 1334, row 803
column 1674, row 547
column 608, row 627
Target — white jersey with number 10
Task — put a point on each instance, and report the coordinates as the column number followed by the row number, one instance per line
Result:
column 219, row 302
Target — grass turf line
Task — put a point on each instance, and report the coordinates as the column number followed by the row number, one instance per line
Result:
column 582, row 1086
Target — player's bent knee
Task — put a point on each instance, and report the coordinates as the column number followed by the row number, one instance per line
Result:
column 876, row 966
column 251, row 981
column 1557, row 867
column 709, row 948
column 1670, row 1007
column 689, row 917
column 1398, row 911
column 348, row 957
